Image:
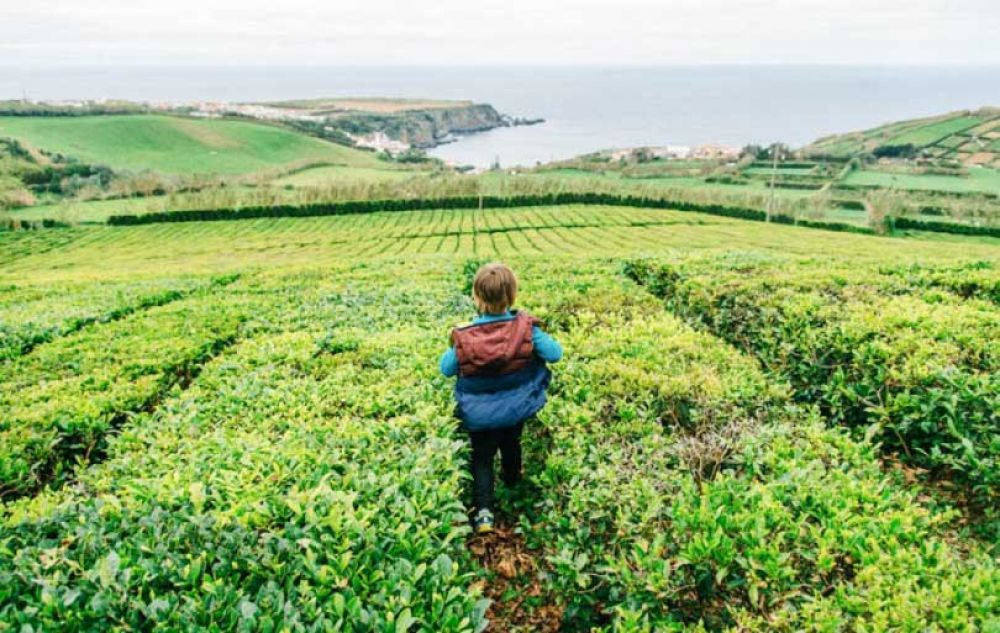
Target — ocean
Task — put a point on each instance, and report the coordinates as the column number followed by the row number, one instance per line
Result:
column 585, row 108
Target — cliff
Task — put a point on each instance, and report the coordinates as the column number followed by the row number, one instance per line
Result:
column 422, row 127
column 432, row 127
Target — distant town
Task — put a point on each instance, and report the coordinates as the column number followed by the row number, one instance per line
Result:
column 678, row 152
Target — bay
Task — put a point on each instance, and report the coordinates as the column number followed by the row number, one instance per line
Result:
column 585, row 108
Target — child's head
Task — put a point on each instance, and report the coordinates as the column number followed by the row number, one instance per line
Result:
column 494, row 288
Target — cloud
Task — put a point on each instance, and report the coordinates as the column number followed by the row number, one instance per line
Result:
column 118, row 32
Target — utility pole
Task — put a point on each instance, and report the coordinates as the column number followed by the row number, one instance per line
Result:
column 774, row 175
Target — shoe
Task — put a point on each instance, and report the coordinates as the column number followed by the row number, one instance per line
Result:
column 483, row 522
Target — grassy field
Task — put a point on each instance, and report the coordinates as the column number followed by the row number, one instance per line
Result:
column 979, row 180
column 175, row 145
column 240, row 425
column 963, row 136
column 932, row 134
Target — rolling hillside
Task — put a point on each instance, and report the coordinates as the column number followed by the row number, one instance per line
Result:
column 970, row 137
column 175, row 145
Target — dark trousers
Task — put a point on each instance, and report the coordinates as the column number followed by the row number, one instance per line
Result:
column 484, row 446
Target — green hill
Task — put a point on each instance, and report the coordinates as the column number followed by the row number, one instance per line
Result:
column 176, row 145
column 970, row 137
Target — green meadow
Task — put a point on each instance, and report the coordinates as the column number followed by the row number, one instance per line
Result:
column 978, row 180
column 176, row 145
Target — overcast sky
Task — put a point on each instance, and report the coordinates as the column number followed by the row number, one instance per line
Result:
column 470, row 32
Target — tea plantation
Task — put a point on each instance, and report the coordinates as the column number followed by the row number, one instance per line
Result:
column 240, row 425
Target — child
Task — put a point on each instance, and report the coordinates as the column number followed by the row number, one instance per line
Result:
column 500, row 363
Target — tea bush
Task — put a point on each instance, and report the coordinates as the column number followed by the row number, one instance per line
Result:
column 291, row 487
column 60, row 400
column 279, row 454
column 643, row 537
column 31, row 315
column 917, row 367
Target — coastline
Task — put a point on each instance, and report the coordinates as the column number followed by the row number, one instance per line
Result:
column 392, row 125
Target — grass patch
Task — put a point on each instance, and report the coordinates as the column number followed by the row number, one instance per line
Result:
column 175, row 145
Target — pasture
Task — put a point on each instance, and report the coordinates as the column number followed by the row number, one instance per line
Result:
column 177, row 145
column 979, row 180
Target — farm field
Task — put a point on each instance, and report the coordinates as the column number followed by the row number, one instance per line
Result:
column 173, row 163
column 228, row 246
column 965, row 136
column 261, row 165
column 653, row 180
column 290, row 189
column 930, row 134
column 175, row 145
column 753, row 191
column 815, row 193
column 980, row 180
column 240, row 425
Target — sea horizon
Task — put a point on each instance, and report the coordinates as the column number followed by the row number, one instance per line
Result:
column 586, row 108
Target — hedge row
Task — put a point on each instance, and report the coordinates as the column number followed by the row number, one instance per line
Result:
column 467, row 202
column 945, row 227
column 31, row 316
column 843, row 186
column 421, row 204
column 843, row 227
column 853, row 205
column 791, row 184
column 975, row 280
column 788, row 164
column 12, row 224
column 836, row 226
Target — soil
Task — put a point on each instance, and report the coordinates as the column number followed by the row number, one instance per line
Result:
column 519, row 600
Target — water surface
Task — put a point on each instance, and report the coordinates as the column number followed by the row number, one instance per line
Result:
column 586, row 108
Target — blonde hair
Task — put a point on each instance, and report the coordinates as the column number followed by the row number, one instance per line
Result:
column 494, row 288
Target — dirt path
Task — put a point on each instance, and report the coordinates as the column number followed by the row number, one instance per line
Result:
column 520, row 602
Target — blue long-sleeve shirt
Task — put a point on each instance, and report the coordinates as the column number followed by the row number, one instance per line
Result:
column 546, row 347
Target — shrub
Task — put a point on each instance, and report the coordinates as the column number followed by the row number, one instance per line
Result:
column 920, row 373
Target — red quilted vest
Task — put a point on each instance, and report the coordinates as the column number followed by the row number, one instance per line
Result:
column 495, row 348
